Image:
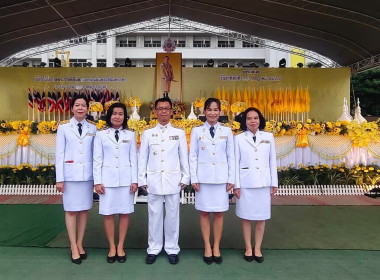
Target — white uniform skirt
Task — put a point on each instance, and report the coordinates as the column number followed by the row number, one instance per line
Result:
column 77, row 196
column 212, row 198
column 116, row 200
column 254, row 204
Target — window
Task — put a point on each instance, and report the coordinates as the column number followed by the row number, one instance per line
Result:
column 248, row 45
column 201, row 44
column 152, row 44
column 101, row 38
column 78, row 62
column 180, row 44
column 126, row 44
column 150, row 63
column 226, row 44
column 79, row 40
column 51, row 63
column 101, row 63
column 199, row 63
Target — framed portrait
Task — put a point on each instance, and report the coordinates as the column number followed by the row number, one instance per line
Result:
column 64, row 57
column 169, row 75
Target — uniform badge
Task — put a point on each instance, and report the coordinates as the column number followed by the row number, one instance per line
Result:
column 154, row 135
column 264, row 141
column 125, row 141
column 155, row 153
column 203, row 147
column 175, row 137
column 223, row 137
column 90, row 134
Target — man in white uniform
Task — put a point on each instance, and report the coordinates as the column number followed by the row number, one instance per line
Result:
column 163, row 171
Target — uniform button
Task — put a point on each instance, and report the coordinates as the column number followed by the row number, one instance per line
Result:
column 80, row 162
column 162, row 140
column 213, row 163
column 81, row 142
column 81, row 152
column 213, row 143
column 162, row 170
column 117, row 148
column 117, row 166
column 162, row 150
column 116, row 157
column 256, row 159
column 213, row 154
column 162, row 160
column 257, row 167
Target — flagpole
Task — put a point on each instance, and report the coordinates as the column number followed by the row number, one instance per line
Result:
column 28, row 107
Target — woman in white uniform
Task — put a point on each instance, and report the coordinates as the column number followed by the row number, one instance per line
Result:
column 212, row 175
column 256, row 179
column 73, row 160
column 115, row 177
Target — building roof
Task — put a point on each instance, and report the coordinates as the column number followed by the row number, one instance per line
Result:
column 344, row 31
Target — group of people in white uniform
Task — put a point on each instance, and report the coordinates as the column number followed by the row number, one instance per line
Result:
column 217, row 163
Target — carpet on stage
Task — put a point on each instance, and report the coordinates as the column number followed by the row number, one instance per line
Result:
column 291, row 227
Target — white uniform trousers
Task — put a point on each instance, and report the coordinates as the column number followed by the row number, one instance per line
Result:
column 157, row 224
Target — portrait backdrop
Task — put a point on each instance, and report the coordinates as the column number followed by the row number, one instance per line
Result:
column 169, row 75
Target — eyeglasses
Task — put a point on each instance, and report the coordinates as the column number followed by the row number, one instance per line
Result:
column 162, row 109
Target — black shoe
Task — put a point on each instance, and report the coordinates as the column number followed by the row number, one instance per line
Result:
column 259, row 259
column 83, row 256
column 173, row 259
column 248, row 258
column 111, row 259
column 121, row 259
column 76, row 261
column 150, row 259
column 217, row 260
column 208, row 260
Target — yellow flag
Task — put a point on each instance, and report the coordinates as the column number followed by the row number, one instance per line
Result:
column 217, row 94
column 227, row 94
column 238, row 96
column 275, row 102
column 307, row 99
column 270, row 101
column 254, row 98
column 297, row 102
column 245, row 97
column 223, row 94
column 281, row 100
column 285, row 99
column 233, row 98
column 261, row 100
column 302, row 100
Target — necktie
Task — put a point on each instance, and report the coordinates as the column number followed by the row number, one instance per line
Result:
column 254, row 139
column 212, row 131
column 80, row 128
column 117, row 135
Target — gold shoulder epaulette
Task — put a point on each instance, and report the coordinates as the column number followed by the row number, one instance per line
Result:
column 63, row 122
column 92, row 122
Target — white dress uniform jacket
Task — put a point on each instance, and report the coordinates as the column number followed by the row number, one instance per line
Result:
column 74, row 156
column 212, row 160
column 163, row 161
column 256, row 165
column 115, row 162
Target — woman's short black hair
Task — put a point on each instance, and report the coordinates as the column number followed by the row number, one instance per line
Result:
column 110, row 112
column 210, row 100
column 243, row 118
column 80, row 96
column 163, row 99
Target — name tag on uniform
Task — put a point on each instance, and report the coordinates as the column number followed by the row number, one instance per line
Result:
column 69, row 161
column 90, row 134
column 125, row 141
column 175, row 137
column 223, row 137
column 264, row 141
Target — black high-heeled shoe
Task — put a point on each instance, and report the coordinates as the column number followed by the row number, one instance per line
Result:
column 121, row 259
column 83, row 256
column 111, row 259
column 208, row 260
column 217, row 260
column 76, row 261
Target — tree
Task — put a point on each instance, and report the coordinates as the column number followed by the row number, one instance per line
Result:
column 366, row 87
